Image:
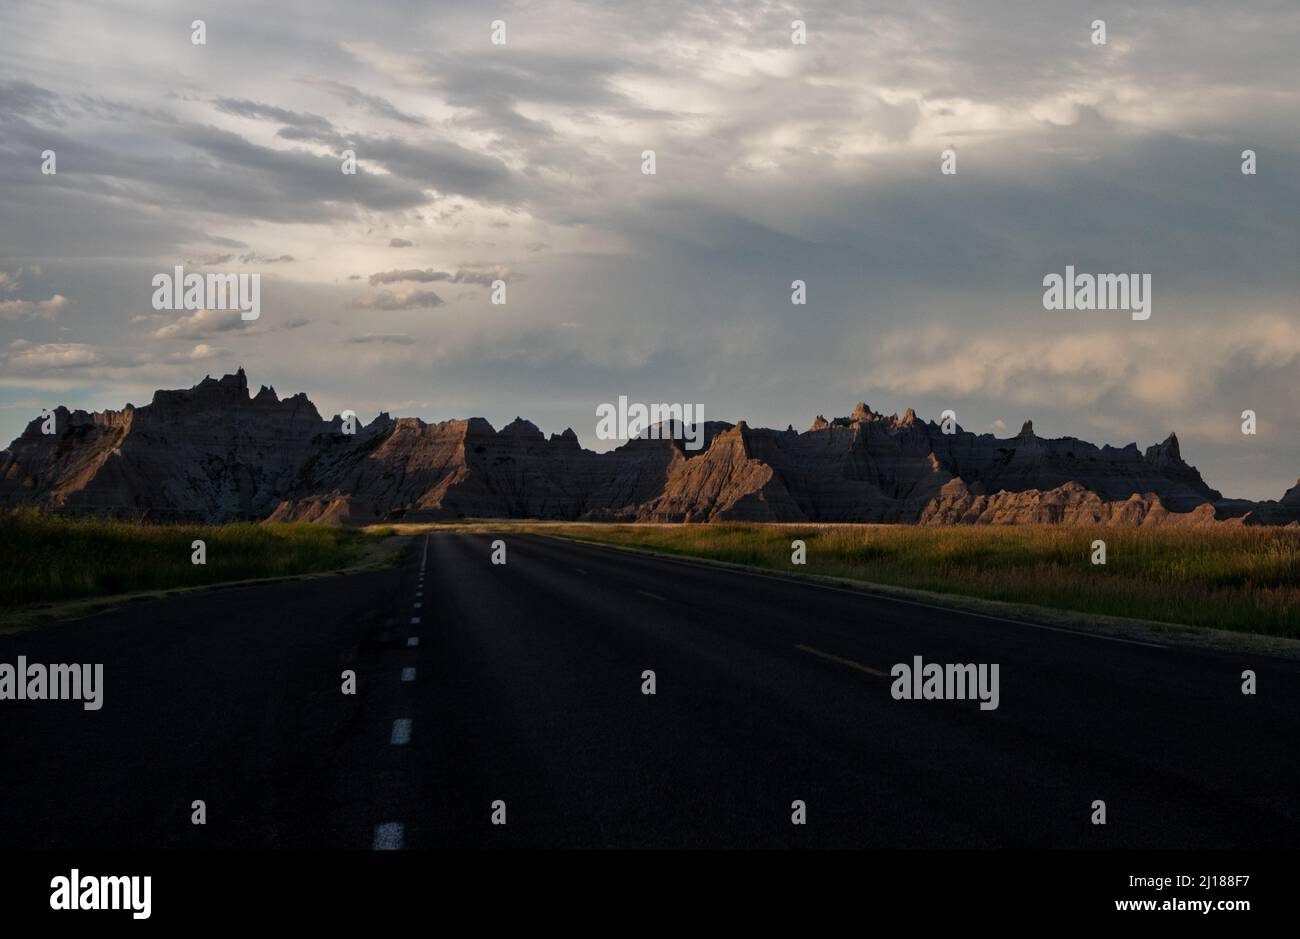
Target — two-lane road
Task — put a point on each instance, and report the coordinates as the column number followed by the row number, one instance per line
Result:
column 523, row 683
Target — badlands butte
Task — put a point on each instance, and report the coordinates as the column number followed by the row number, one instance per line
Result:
column 217, row 453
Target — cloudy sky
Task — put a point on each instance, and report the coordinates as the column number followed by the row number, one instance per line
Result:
column 775, row 162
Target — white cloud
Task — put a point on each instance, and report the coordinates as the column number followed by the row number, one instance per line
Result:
column 36, row 357
column 1194, row 380
column 32, row 309
column 202, row 324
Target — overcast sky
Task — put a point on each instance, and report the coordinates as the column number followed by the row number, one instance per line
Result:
column 775, row 162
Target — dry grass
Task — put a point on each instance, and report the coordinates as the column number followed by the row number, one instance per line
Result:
column 1234, row 578
column 1241, row 579
column 53, row 558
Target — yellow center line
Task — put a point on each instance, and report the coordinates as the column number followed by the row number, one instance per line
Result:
column 849, row 662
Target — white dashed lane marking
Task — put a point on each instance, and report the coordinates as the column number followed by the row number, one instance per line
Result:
column 389, row 836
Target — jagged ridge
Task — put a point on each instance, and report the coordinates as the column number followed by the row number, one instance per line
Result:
column 214, row 452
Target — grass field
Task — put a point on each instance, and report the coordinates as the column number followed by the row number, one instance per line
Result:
column 1241, row 579
column 53, row 558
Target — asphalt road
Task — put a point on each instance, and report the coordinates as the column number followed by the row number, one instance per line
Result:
column 527, row 688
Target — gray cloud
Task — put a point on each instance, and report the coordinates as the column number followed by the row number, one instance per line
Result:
column 23, row 98
column 253, row 109
column 373, row 103
column 395, row 340
column 398, row 300
column 429, row 276
column 775, row 162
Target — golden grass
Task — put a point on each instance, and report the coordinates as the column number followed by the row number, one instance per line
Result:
column 57, row 558
column 1245, row 579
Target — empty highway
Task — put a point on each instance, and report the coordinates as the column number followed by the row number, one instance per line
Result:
column 522, row 685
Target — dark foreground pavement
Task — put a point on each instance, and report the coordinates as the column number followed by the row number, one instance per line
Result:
column 527, row 688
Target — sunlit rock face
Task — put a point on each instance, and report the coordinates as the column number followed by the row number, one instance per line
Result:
column 215, row 452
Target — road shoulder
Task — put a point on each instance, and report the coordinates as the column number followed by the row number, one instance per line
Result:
column 1136, row 630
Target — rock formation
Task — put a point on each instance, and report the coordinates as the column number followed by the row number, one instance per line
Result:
column 210, row 452
column 215, row 452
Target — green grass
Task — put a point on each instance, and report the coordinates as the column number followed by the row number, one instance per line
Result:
column 54, row 558
column 1241, row 579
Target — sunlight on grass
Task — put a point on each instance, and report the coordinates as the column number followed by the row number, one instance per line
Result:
column 55, row 558
column 1237, row 578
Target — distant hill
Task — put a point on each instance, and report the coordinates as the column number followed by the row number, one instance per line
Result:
column 216, row 453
